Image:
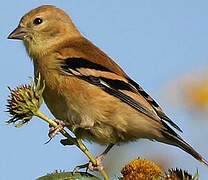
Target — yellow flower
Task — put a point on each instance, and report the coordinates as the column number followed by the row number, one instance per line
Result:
column 197, row 94
column 141, row 169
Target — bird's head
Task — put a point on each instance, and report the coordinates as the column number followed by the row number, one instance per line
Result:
column 43, row 28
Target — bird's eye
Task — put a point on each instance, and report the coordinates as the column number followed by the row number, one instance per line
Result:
column 37, row 21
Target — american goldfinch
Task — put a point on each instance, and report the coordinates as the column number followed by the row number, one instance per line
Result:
column 86, row 89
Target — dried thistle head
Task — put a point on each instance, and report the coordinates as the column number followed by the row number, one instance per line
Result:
column 178, row 174
column 141, row 169
column 23, row 102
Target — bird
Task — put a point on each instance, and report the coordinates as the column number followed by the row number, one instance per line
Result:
column 88, row 90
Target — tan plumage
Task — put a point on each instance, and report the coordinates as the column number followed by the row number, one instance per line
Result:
column 87, row 89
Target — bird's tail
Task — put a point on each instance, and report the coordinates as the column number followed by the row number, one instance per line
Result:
column 176, row 140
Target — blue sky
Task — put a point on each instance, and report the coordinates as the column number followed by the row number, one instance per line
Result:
column 155, row 42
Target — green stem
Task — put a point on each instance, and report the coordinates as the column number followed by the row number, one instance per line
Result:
column 75, row 141
column 54, row 124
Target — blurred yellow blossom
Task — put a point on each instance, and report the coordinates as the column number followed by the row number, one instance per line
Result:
column 190, row 91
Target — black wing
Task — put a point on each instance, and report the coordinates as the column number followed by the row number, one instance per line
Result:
column 114, row 87
column 154, row 104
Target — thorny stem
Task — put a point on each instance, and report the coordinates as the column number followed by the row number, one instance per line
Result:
column 75, row 141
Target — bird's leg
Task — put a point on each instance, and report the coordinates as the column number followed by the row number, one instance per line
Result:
column 99, row 159
column 53, row 131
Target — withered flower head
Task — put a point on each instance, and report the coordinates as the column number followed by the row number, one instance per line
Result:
column 178, row 174
column 24, row 101
column 141, row 169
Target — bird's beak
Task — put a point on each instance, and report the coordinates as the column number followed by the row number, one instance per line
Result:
column 18, row 33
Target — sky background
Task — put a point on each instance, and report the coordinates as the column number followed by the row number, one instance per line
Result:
column 156, row 43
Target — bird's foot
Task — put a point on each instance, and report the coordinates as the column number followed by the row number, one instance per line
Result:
column 99, row 165
column 90, row 166
column 53, row 131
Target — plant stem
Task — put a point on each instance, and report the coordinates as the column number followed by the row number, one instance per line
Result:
column 76, row 141
column 84, row 149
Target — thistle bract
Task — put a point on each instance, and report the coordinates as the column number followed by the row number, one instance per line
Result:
column 178, row 174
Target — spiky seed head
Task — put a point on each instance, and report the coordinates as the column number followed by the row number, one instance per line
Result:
column 24, row 101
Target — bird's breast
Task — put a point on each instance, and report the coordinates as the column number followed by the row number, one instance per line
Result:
column 59, row 99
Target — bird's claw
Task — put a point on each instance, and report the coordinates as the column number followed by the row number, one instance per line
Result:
column 90, row 166
column 98, row 166
column 53, row 131
column 83, row 166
